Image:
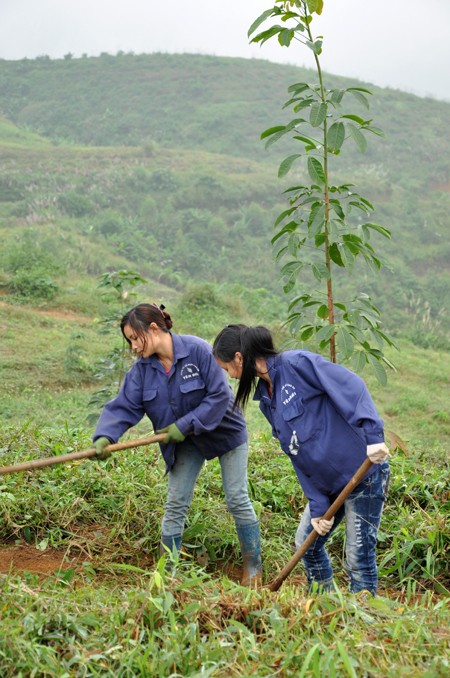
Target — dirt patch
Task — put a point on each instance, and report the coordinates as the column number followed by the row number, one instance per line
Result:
column 19, row 559
column 59, row 314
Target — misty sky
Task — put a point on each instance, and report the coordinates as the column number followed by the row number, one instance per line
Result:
column 404, row 44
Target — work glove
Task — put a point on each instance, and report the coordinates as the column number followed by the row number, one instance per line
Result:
column 377, row 452
column 322, row 526
column 173, row 434
column 100, row 452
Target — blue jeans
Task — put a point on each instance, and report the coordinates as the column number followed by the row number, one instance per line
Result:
column 362, row 511
column 182, row 478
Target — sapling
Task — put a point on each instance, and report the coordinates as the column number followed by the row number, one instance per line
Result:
column 327, row 226
column 111, row 369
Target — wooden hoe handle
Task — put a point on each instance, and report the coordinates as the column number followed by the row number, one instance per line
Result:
column 82, row 454
column 310, row 539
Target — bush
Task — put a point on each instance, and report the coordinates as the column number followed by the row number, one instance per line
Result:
column 75, row 204
column 33, row 284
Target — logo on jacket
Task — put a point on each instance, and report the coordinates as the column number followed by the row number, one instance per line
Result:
column 293, row 445
column 189, row 371
column 287, row 393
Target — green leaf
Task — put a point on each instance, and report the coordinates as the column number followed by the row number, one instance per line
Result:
column 345, row 340
column 289, row 286
column 378, row 369
column 336, row 96
column 298, row 87
column 285, row 37
column 315, row 170
column 307, row 333
column 322, row 311
column 336, row 136
column 375, row 130
column 357, row 136
column 358, row 361
column 337, row 207
column 355, row 118
column 315, row 46
column 325, row 333
column 312, row 652
column 265, row 15
column 292, row 268
column 287, row 164
column 335, row 255
column 272, row 130
column 316, row 219
column 315, row 6
column 281, row 252
column 317, row 114
column 355, row 91
column 359, row 89
column 283, row 215
column 300, row 103
column 319, row 239
column 266, row 35
column 346, row 660
column 291, row 227
column 380, row 229
column 367, row 202
column 320, row 272
column 310, row 143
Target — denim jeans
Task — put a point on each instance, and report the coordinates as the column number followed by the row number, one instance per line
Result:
column 182, row 478
column 362, row 511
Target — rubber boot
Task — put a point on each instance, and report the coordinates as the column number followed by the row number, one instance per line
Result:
column 171, row 542
column 249, row 540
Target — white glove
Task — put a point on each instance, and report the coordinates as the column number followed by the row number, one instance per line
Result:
column 322, row 526
column 377, row 452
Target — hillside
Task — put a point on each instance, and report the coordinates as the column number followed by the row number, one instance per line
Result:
column 182, row 187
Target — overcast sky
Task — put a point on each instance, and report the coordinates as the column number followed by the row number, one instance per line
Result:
column 404, row 44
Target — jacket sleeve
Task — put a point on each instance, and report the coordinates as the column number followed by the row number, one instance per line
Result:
column 347, row 392
column 123, row 412
column 209, row 413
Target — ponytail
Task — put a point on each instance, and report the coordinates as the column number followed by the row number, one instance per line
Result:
column 252, row 343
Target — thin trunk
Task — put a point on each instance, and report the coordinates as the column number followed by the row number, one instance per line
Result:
column 326, row 196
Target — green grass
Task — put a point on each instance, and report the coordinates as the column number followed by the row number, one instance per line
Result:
column 111, row 610
column 194, row 626
column 117, row 613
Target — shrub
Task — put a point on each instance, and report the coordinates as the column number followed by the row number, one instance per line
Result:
column 33, row 284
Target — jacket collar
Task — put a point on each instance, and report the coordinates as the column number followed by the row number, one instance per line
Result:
column 272, row 363
column 180, row 350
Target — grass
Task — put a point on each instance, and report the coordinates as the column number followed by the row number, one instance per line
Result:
column 193, row 625
column 112, row 610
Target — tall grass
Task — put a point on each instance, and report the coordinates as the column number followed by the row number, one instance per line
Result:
column 111, row 609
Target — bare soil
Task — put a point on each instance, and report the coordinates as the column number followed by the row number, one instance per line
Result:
column 25, row 558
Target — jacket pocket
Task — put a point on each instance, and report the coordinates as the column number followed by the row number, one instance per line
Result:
column 192, row 385
column 149, row 394
column 301, row 421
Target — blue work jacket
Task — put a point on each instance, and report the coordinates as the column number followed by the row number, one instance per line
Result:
column 324, row 418
column 195, row 395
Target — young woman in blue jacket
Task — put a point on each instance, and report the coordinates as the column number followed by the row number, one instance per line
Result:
column 327, row 424
column 178, row 384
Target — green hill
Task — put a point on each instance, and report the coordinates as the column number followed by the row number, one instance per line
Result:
column 156, row 160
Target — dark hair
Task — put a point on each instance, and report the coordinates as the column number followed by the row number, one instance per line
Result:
column 140, row 317
column 252, row 343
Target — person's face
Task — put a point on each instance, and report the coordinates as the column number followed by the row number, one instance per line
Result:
column 234, row 367
column 142, row 344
